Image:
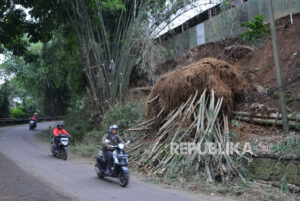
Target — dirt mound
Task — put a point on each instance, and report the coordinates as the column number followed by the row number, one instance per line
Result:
column 256, row 67
column 174, row 88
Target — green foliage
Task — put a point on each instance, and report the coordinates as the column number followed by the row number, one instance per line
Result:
column 283, row 186
column 14, row 25
column 4, row 101
column 112, row 5
column 52, row 81
column 17, row 112
column 225, row 5
column 291, row 146
column 256, row 31
column 125, row 116
column 78, row 122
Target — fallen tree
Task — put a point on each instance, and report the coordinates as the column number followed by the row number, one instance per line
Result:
column 199, row 120
column 191, row 105
column 174, row 88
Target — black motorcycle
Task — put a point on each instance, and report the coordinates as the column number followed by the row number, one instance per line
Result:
column 60, row 147
column 120, row 167
column 32, row 124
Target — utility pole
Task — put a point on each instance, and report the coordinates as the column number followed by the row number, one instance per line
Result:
column 278, row 70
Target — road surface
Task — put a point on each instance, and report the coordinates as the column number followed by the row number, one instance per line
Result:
column 29, row 172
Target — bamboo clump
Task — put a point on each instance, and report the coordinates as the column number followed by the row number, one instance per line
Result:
column 198, row 120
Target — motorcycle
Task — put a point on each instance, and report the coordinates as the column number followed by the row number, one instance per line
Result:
column 120, row 165
column 32, row 124
column 60, row 150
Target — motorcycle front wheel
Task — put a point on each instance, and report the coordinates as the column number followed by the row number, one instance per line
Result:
column 123, row 179
column 64, row 154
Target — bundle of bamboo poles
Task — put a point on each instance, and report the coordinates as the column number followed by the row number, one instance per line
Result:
column 199, row 120
column 270, row 119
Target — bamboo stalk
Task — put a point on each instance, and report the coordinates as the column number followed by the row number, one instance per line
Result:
column 269, row 121
column 139, row 129
column 153, row 99
column 269, row 116
column 175, row 115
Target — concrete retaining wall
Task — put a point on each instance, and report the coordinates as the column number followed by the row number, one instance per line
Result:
column 227, row 24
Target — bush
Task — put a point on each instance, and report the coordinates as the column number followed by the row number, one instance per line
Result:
column 256, row 31
column 18, row 112
column 78, row 122
column 125, row 116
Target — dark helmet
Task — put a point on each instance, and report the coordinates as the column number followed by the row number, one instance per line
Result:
column 60, row 124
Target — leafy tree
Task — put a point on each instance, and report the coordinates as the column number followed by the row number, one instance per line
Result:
column 45, row 15
column 102, row 40
column 17, row 112
column 256, row 30
column 52, row 81
column 4, row 102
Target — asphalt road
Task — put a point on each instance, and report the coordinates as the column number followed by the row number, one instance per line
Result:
column 28, row 171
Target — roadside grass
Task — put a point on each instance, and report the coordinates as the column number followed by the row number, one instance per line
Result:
column 236, row 189
column 288, row 147
column 46, row 136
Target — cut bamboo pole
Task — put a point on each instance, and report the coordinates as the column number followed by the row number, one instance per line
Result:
column 262, row 121
column 269, row 116
column 153, row 99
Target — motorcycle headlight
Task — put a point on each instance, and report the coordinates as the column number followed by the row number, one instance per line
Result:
column 121, row 146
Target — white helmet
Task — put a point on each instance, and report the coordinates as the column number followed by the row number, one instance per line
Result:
column 35, row 113
column 113, row 127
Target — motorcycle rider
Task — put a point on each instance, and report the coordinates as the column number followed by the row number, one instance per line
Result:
column 34, row 117
column 59, row 130
column 108, row 140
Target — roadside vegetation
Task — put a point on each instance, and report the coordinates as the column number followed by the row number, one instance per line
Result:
column 87, row 135
column 78, row 60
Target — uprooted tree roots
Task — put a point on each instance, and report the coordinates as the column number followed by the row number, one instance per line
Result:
column 199, row 120
column 175, row 87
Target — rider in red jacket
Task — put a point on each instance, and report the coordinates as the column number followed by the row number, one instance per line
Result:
column 34, row 117
column 59, row 130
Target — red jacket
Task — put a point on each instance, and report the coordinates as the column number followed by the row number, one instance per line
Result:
column 57, row 132
column 34, row 117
